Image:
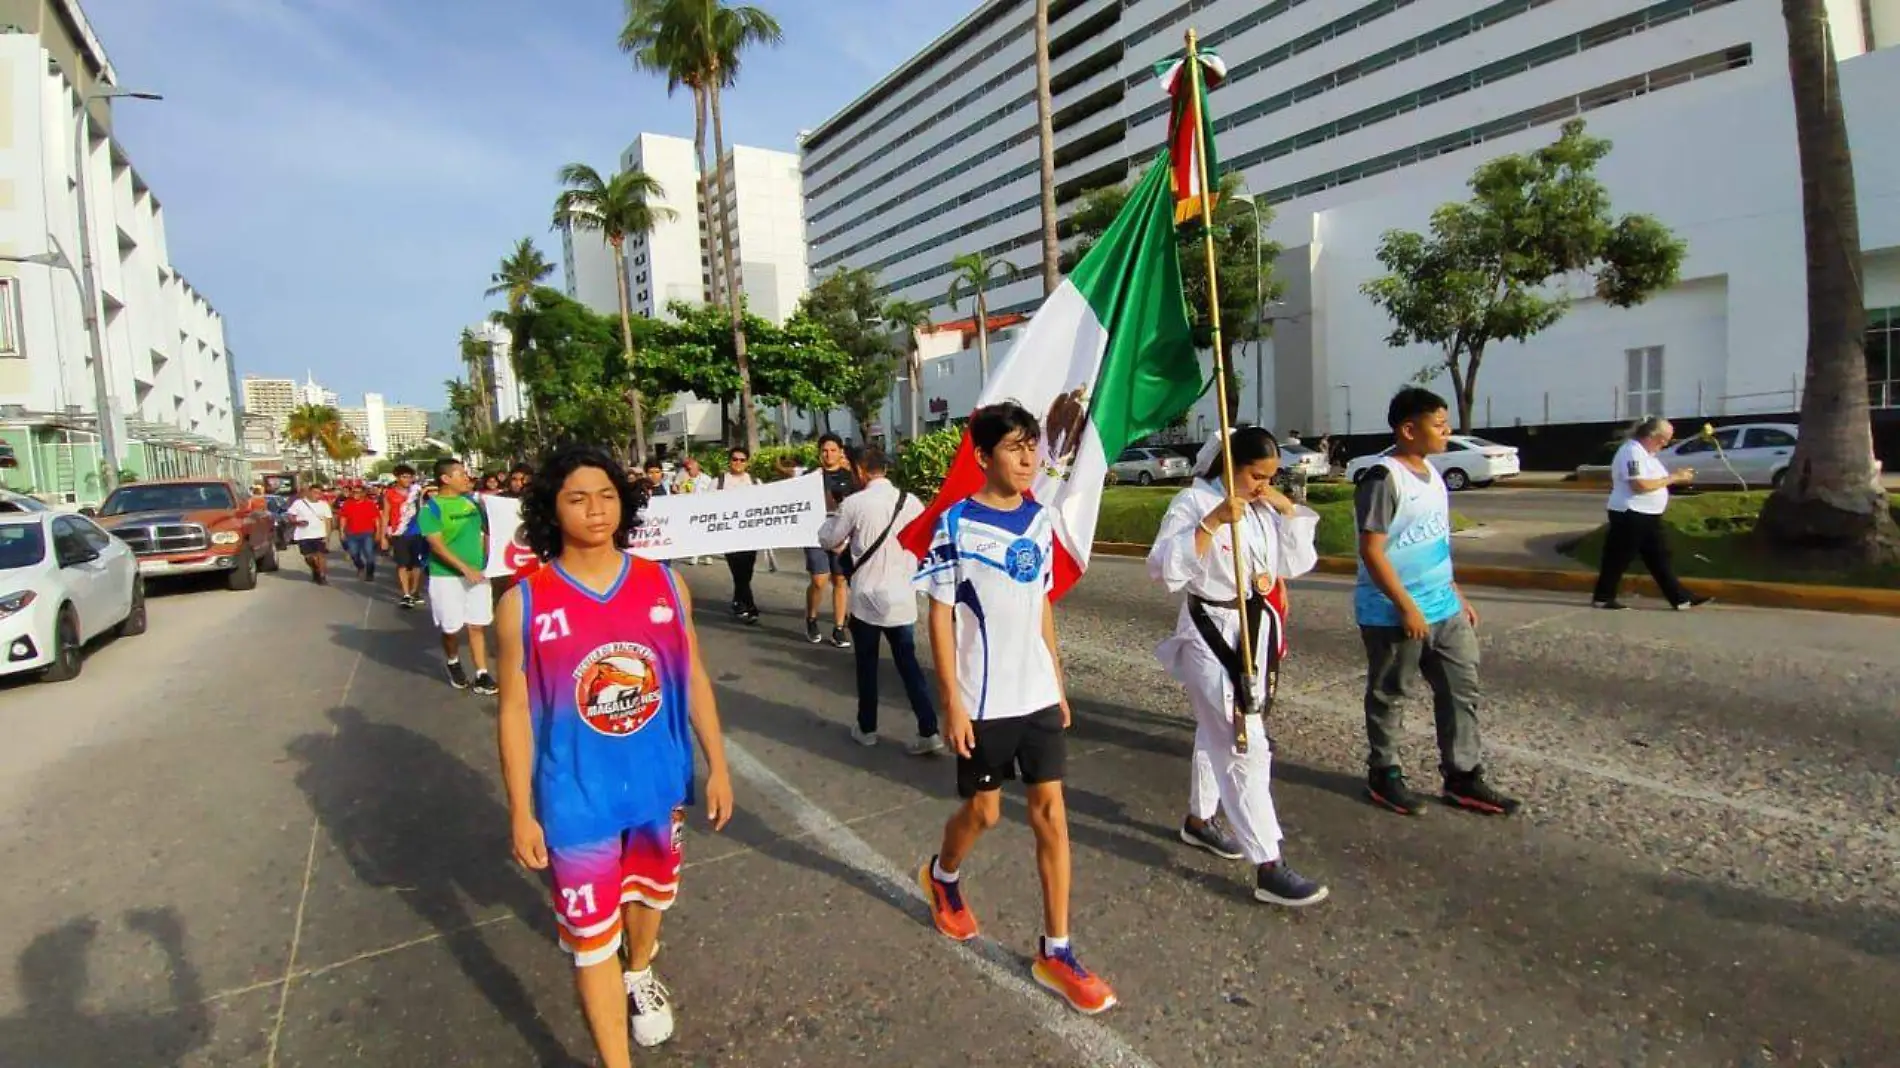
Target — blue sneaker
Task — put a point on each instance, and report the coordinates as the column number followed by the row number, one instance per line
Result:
column 1277, row 884
column 1214, row 836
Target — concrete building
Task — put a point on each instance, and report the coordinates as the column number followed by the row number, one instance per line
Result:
column 404, row 425
column 271, row 398
column 666, row 265
column 1351, row 118
column 167, row 367
column 509, row 402
column 762, row 193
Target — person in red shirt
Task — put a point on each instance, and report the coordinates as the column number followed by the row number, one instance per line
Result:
column 361, row 518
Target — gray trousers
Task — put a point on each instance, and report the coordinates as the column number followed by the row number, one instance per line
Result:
column 1449, row 661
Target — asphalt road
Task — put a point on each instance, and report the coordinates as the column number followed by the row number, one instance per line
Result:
column 267, row 833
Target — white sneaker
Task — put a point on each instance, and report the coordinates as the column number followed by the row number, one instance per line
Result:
column 929, row 745
column 649, row 1008
column 864, row 738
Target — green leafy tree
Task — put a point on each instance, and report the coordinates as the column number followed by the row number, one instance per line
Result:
column 846, row 307
column 921, row 466
column 698, row 44
column 521, row 273
column 972, row 273
column 1243, row 260
column 907, row 317
column 1830, row 506
column 616, row 208
column 1492, row 267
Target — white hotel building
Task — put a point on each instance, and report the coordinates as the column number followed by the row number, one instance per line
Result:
column 681, row 259
column 167, row 366
column 1351, row 117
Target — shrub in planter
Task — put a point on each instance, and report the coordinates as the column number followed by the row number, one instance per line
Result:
column 764, row 465
column 921, row 465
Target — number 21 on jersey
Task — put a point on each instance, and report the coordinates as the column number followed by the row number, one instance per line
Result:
column 552, row 625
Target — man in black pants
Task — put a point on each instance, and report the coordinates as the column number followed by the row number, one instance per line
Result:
column 1639, row 494
column 740, row 564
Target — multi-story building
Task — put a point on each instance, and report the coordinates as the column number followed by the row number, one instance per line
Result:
column 669, row 264
column 508, row 401
column 1351, row 117
column 760, row 191
column 167, row 369
column 405, row 426
column 271, row 398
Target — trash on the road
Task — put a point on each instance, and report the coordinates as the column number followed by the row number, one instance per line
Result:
column 1238, row 999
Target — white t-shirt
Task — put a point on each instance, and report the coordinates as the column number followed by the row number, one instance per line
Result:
column 1634, row 461
column 881, row 591
column 311, row 519
column 996, row 569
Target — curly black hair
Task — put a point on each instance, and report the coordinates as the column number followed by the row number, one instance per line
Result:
column 540, row 523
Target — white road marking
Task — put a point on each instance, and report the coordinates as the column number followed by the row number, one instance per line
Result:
column 309, row 869
column 1097, row 1044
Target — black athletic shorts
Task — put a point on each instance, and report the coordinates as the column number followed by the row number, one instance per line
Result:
column 410, row 550
column 313, row 546
column 1034, row 744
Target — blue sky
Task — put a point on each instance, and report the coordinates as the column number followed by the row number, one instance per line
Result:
column 340, row 177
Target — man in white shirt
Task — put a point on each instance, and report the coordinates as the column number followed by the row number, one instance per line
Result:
column 882, row 601
column 310, row 522
column 1639, row 494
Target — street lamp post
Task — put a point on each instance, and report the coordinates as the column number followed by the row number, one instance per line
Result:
column 89, row 284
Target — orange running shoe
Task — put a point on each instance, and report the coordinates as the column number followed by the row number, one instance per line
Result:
column 1063, row 975
column 947, row 907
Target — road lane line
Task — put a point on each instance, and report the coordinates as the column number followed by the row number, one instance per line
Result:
column 1097, row 1044
column 309, row 869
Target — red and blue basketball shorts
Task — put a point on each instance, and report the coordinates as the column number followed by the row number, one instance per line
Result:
column 591, row 882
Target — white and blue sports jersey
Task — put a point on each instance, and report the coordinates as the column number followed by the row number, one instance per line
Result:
column 1415, row 517
column 996, row 569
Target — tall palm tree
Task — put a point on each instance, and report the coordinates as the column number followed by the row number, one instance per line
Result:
column 479, row 356
column 616, row 208
column 316, row 426
column 1830, row 504
column 521, row 271
column 910, row 317
column 698, row 44
column 1046, row 144
column 974, row 271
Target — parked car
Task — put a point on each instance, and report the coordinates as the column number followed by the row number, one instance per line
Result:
column 63, row 582
column 1756, row 453
column 1150, row 464
column 14, row 503
column 191, row 526
column 1467, row 461
column 1305, row 461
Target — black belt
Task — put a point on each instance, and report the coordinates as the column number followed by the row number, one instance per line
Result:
column 1229, row 656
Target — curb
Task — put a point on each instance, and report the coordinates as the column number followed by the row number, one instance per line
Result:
column 1845, row 599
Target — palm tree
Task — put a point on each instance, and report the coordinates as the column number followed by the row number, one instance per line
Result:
column 521, row 271
column 1046, row 144
column 698, row 44
column 910, row 317
column 974, row 271
column 1830, row 505
column 478, row 355
column 615, row 208
column 315, row 426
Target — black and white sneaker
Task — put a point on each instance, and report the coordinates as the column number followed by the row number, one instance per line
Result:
column 1610, row 606
column 811, row 632
column 1469, row 791
column 1386, row 787
column 1277, row 884
column 840, row 638
column 485, row 684
column 1693, row 602
column 1214, row 836
column 457, row 677
column 649, row 1008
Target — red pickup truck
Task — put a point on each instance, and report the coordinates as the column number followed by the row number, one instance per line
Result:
column 193, row 526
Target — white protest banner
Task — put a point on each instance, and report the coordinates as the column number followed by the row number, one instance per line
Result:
column 504, row 519
column 772, row 515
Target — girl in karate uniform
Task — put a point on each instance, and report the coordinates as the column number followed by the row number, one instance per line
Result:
column 1193, row 556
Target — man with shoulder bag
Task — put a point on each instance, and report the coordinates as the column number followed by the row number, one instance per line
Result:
column 883, row 603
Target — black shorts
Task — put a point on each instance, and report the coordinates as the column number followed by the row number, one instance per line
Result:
column 1036, row 744
column 313, row 546
column 410, row 550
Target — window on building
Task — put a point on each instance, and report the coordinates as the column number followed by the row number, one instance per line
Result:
column 1644, row 387
column 1883, row 357
column 10, row 317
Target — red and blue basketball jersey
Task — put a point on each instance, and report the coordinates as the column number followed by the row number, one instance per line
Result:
column 607, row 686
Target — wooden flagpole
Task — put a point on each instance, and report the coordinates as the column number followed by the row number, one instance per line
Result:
column 1243, row 696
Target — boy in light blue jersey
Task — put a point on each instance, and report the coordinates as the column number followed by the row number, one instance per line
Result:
column 1412, row 615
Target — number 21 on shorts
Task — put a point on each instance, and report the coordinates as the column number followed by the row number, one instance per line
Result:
column 552, row 625
column 579, row 901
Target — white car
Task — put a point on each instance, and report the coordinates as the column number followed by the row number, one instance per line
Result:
column 1148, row 465
column 1466, row 461
column 1308, row 462
column 1756, row 454
column 63, row 582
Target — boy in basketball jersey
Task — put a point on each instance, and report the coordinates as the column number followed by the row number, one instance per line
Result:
column 1412, row 615
column 993, row 640
column 600, row 682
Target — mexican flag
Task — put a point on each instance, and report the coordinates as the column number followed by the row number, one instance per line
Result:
column 1108, row 359
column 1191, row 131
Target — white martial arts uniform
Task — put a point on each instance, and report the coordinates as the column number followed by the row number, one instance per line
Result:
column 1271, row 545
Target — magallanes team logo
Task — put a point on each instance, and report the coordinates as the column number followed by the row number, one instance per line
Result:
column 617, row 688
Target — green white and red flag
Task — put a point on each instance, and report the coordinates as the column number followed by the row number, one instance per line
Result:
column 1107, row 360
column 1189, row 129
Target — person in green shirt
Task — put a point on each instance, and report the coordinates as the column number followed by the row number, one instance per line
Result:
column 456, row 527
